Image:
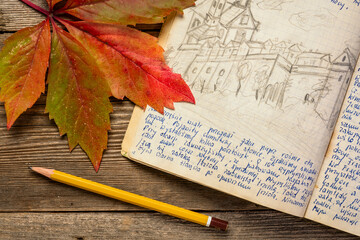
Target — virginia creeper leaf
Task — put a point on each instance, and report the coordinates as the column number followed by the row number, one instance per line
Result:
column 124, row 11
column 78, row 96
column 52, row 3
column 97, row 59
column 133, row 64
column 23, row 63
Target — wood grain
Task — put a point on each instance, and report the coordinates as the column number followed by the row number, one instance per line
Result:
column 149, row 225
column 23, row 190
column 33, row 207
column 15, row 15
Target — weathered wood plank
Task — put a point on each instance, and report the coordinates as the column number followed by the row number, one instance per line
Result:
column 15, row 15
column 149, row 225
column 35, row 140
column 22, row 190
column 36, row 116
column 53, row 210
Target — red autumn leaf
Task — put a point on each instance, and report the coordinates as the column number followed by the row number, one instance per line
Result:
column 88, row 65
column 51, row 3
column 23, row 63
column 124, row 11
column 78, row 99
column 133, row 64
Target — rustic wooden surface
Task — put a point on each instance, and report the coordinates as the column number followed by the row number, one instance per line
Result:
column 32, row 207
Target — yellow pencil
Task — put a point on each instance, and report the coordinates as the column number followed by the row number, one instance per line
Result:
column 132, row 198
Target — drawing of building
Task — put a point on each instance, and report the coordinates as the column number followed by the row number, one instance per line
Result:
column 224, row 57
column 312, row 62
column 338, row 80
column 293, row 52
column 223, row 22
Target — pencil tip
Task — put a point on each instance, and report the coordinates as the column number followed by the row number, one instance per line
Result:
column 30, row 167
column 44, row 171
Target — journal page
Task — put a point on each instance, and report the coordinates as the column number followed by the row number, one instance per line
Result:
column 336, row 198
column 269, row 78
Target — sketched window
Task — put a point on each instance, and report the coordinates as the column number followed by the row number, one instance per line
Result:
column 195, row 23
column 194, row 70
column 344, row 58
column 222, row 32
column 192, row 40
column 340, row 78
column 214, row 4
column 244, row 20
column 220, row 5
column 240, row 3
column 222, row 72
column 240, row 35
column 208, row 70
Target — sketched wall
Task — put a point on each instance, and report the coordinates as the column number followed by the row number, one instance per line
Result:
column 335, row 86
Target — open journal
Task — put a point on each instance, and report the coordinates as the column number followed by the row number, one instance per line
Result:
column 277, row 114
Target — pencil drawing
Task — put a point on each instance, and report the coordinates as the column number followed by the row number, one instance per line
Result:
column 272, row 4
column 224, row 57
column 312, row 19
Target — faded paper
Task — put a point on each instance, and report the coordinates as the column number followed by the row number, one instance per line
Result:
column 336, row 198
column 269, row 78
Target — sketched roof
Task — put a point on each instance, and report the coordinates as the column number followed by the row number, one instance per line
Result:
column 316, row 55
column 295, row 48
column 206, row 45
column 202, row 8
column 268, row 43
column 205, row 31
column 228, row 19
column 350, row 59
column 253, row 44
column 217, row 44
column 281, row 44
column 233, row 44
column 228, row 4
column 211, row 32
column 231, row 15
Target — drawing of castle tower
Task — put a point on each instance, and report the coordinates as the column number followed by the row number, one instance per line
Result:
column 221, row 56
column 204, row 25
column 337, row 82
column 220, row 20
column 219, row 30
column 214, row 14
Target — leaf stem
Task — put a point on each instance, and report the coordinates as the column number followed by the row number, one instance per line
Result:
column 53, row 23
column 59, row 19
column 36, row 7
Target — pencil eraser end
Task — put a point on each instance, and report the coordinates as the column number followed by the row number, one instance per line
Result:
column 219, row 224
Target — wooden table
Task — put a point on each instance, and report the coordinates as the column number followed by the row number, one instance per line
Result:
column 32, row 207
